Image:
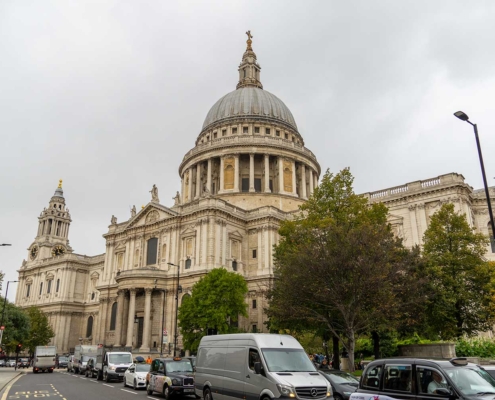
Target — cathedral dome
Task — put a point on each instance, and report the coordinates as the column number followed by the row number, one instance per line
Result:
column 249, row 101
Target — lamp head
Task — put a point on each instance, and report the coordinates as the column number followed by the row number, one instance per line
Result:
column 461, row 115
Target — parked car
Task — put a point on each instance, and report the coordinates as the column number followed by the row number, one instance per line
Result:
column 192, row 359
column 10, row 363
column 23, row 363
column 490, row 369
column 343, row 383
column 170, row 376
column 135, row 375
column 2, row 363
column 90, row 371
column 424, row 379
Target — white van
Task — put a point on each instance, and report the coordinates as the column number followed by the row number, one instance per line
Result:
column 256, row 366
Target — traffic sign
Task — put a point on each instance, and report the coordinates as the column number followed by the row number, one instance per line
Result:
column 2, row 328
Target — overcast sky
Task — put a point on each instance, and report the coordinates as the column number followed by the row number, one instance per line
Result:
column 109, row 96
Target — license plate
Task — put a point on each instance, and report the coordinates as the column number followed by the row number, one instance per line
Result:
column 188, row 390
column 121, row 374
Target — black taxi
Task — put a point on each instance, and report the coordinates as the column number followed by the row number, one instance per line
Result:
column 170, row 376
column 424, row 379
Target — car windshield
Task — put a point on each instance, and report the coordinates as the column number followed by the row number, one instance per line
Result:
column 64, row 359
column 179, row 366
column 471, row 381
column 287, row 360
column 120, row 358
column 339, row 378
column 142, row 367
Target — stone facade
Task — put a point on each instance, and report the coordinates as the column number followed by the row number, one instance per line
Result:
column 249, row 170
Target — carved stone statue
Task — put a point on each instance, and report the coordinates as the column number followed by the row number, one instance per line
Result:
column 113, row 220
column 154, row 194
column 177, row 199
column 206, row 192
column 133, row 211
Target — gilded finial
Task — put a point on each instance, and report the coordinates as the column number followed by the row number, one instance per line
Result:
column 142, row 207
column 249, row 41
column 60, row 183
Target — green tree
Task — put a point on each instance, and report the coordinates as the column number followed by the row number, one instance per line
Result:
column 338, row 263
column 40, row 331
column 217, row 300
column 461, row 280
column 16, row 324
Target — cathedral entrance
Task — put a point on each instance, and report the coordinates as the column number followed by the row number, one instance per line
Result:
column 140, row 331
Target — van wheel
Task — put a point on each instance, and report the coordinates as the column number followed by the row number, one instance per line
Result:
column 166, row 392
column 99, row 375
column 265, row 398
column 207, row 394
column 148, row 389
column 107, row 378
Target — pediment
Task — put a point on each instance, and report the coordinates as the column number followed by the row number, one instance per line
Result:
column 151, row 214
column 395, row 219
column 235, row 235
column 189, row 231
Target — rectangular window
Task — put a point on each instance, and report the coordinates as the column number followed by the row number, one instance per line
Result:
column 256, row 129
column 426, row 382
column 372, row 378
column 49, row 287
column 277, row 133
column 214, row 135
column 41, row 288
column 271, row 185
column 254, row 253
column 234, row 131
column 234, row 265
column 224, row 132
column 397, row 378
column 287, row 136
column 188, row 263
column 267, row 131
column 28, row 290
column 245, row 184
column 58, row 285
column 245, row 129
column 254, row 303
column 257, row 185
column 152, row 251
column 255, row 329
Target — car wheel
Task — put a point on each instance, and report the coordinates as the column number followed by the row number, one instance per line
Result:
column 106, row 378
column 166, row 392
column 134, row 385
column 207, row 394
column 148, row 389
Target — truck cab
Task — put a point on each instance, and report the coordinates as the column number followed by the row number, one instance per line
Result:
column 111, row 364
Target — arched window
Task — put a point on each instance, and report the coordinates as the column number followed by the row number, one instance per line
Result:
column 186, row 296
column 58, row 285
column 188, row 263
column 113, row 317
column 151, row 251
column 234, row 265
column 89, row 328
column 49, row 286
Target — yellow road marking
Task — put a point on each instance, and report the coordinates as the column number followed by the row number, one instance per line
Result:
column 7, row 389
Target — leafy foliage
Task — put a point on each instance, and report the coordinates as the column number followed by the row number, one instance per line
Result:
column 16, row 324
column 217, row 301
column 475, row 347
column 339, row 264
column 460, row 280
column 40, row 331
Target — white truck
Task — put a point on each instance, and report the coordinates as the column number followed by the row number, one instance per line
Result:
column 112, row 362
column 82, row 353
column 44, row 358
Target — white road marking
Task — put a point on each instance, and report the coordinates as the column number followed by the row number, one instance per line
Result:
column 83, row 378
column 104, row 384
column 94, row 381
column 128, row 391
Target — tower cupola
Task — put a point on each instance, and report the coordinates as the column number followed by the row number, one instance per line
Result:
column 249, row 69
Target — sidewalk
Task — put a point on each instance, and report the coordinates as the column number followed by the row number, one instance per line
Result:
column 6, row 375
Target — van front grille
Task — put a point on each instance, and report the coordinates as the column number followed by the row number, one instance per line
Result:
column 311, row 392
column 188, row 381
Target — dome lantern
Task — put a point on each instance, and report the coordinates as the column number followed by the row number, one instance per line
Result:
column 249, row 69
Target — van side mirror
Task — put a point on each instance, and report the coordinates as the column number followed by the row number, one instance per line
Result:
column 257, row 368
column 443, row 392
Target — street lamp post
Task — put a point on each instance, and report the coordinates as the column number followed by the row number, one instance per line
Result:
column 463, row 117
column 5, row 244
column 179, row 289
column 3, row 310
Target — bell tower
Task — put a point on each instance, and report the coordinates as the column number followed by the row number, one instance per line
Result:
column 52, row 238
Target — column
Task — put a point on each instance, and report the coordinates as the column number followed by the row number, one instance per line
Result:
column 204, row 238
column 103, row 317
column 311, row 181
column 197, row 244
column 224, row 243
column 182, row 193
column 251, row 172
column 294, row 188
column 208, row 176
column 189, row 189
column 198, row 181
column 145, row 347
column 414, row 224
column 258, row 256
column 221, row 188
column 120, row 316
column 130, row 319
column 218, row 250
column 266, row 231
column 303, row 182
column 267, row 173
column 280, row 174
column 315, row 177
column 236, row 173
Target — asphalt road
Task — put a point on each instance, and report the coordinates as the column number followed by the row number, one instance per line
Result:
column 62, row 385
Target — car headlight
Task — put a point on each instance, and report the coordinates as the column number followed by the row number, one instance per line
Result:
column 176, row 382
column 286, row 390
column 112, row 368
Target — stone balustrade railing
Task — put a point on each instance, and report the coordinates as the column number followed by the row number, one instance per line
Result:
column 248, row 140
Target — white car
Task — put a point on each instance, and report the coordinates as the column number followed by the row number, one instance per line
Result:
column 135, row 376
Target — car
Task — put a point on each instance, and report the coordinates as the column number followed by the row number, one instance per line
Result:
column 89, row 370
column 170, row 377
column 23, row 363
column 10, row 363
column 489, row 368
column 192, row 359
column 2, row 363
column 343, row 383
column 135, row 375
column 424, row 379
column 62, row 362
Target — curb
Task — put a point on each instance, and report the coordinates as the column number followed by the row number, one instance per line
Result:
column 2, row 386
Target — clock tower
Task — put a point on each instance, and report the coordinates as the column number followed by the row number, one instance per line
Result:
column 53, row 229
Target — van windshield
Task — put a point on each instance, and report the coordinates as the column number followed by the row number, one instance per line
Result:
column 472, row 381
column 120, row 359
column 287, row 360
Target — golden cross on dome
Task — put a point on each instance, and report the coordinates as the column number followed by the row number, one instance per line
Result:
column 60, row 183
column 248, row 33
column 249, row 41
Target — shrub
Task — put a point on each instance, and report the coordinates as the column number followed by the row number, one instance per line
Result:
column 475, row 347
